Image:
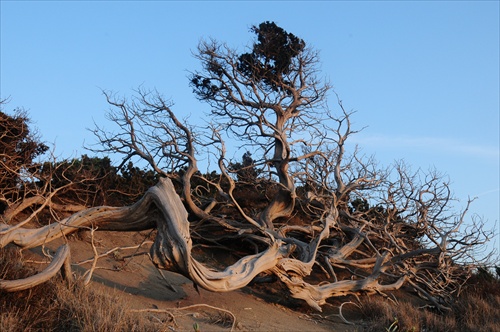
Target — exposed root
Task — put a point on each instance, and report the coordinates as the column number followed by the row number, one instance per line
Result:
column 113, row 250
column 342, row 316
column 61, row 261
column 171, row 311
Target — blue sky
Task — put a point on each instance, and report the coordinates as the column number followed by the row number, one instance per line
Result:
column 423, row 76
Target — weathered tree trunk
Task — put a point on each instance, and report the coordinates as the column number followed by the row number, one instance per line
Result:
column 162, row 208
column 172, row 248
column 284, row 202
column 61, row 260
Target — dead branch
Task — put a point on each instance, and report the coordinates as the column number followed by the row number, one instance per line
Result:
column 62, row 260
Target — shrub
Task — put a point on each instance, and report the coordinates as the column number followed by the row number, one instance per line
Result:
column 53, row 306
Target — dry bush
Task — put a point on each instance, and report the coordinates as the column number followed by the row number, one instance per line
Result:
column 83, row 309
column 54, row 306
column 381, row 315
column 25, row 310
column 476, row 309
column 8, row 321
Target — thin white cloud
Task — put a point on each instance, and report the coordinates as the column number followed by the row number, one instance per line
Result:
column 488, row 192
column 432, row 144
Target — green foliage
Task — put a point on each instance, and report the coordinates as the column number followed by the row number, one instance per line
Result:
column 269, row 62
column 95, row 181
column 85, row 181
column 485, row 274
column 17, row 140
column 245, row 170
column 19, row 147
column 360, row 205
column 271, row 56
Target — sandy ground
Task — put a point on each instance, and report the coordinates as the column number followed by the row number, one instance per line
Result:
column 130, row 273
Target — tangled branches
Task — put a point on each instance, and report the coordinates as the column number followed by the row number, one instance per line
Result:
column 299, row 208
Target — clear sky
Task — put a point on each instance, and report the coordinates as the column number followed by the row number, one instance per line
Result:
column 422, row 75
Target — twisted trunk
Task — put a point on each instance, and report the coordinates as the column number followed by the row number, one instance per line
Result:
column 162, row 208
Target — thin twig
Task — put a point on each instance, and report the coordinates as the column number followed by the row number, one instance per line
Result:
column 111, row 251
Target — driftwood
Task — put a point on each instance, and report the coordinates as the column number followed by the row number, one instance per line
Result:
column 162, row 208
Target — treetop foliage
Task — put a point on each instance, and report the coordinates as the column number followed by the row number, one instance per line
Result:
column 272, row 55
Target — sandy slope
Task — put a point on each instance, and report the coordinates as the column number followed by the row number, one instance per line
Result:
column 256, row 308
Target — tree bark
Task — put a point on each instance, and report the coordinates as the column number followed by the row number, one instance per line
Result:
column 61, row 259
column 162, row 208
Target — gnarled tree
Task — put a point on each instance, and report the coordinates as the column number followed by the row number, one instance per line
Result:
column 325, row 221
